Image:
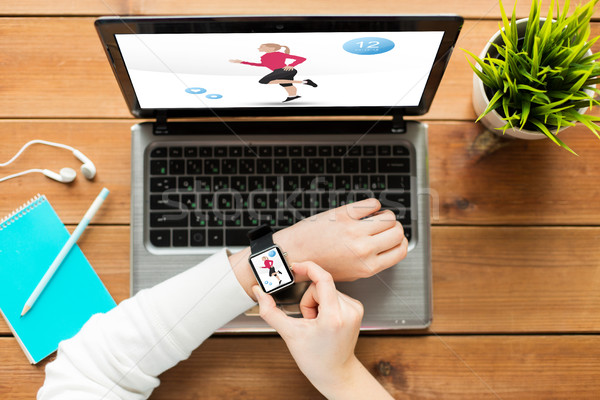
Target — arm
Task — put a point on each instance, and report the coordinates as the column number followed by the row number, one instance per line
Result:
column 253, row 64
column 322, row 343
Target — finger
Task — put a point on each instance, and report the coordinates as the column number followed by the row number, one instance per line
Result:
column 392, row 256
column 361, row 209
column 270, row 313
column 325, row 293
column 308, row 304
column 387, row 239
column 379, row 222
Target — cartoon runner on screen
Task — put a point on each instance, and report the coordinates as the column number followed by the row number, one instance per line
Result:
column 272, row 271
column 282, row 74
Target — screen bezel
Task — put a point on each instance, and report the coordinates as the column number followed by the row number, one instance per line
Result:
column 287, row 269
column 108, row 27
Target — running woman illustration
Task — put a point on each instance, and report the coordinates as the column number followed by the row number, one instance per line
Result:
column 272, row 271
column 282, row 73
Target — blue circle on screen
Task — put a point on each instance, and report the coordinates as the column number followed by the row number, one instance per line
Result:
column 195, row 90
column 266, row 282
column 368, row 45
column 213, row 96
column 272, row 253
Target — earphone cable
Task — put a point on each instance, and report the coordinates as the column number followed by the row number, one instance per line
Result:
column 37, row 141
column 29, row 171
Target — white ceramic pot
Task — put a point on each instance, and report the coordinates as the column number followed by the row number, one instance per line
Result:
column 492, row 120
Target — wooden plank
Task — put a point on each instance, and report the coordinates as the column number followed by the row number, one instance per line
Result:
column 57, row 69
column 470, row 367
column 520, row 183
column 467, row 8
column 107, row 249
column 485, row 280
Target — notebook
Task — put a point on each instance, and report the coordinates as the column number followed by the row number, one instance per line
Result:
column 30, row 239
column 348, row 82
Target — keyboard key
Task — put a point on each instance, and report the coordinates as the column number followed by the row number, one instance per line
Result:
column 158, row 152
column 160, row 238
column 215, row 219
column 265, row 151
column 198, row 219
column 194, row 167
column 168, row 220
column 350, row 165
column 229, row 166
column 247, row 166
column 259, row 200
column 276, row 200
column 256, row 183
column 264, row 165
column 220, row 183
column 316, row 165
column 399, row 150
column 180, row 238
column 298, row 165
column 250, row 219
column 220, row 151
column 339, row 151
column 250, row 151
column 162, row 184
column 205, row 152
column 398, row 182
column 188, row 201
column 369, row 151
column 190, row 152
column 377, row 182
column 280, row 151
column 197, row 237
column 368, row 166
column 185, row 184
column 343, row 182
column 408, row 232
column 215, row 237
column 234, row 219
column 211, row 166
column 360, row 182
column 391, row 165
column 175, row 152
column 281, row 166
column 295, row 151
column 224, row 201
column 176, row 167
column 334, row 165
column 308, row 182
column 238, row 183
column 310, row 151
column 384, row 150
column 207, row 201
column 397, row 200
column 324, row 151
column 354, row 151
column 290, row 183
column 158, row 167
column 162, row 202
column 237, row 237
column 273, row 182
column 235, row 151
column 268, row 217
column 203, row 184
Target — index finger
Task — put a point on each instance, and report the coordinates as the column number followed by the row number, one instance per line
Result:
column 325, row 293
column 361, row 209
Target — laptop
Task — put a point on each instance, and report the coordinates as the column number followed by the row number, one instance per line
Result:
column 306, row 113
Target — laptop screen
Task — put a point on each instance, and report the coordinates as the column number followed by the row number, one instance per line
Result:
column 285, row 65
column 308, row 69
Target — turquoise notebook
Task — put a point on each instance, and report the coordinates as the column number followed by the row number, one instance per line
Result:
column 30, row 239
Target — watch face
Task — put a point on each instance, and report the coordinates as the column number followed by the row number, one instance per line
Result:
column 271, row 270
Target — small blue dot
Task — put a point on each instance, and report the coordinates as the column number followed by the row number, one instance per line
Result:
column 213, row 96
column 195, row 90
column 272, row 253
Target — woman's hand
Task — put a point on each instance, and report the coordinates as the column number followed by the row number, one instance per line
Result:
column 322, row 343
column 350, row 242
column 288, row 68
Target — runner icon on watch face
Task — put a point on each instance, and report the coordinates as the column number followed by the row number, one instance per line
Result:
column 282, row 74
column 269, row 264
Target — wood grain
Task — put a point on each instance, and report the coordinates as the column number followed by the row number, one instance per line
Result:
column 467, row 8
column 485, row 279
column 442, row 367
column 475, row 178
column 55, row 67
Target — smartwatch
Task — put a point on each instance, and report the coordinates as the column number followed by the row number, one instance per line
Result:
column 267, row 261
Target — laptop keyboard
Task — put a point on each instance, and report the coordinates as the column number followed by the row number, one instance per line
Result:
column 213, row 195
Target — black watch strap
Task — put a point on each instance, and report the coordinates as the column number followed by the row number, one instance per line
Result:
column 261, row 238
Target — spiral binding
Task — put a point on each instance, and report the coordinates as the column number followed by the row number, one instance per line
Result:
column 19, row 212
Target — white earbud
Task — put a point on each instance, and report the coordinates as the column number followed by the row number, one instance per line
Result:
column 88, row 169
column 66, row 175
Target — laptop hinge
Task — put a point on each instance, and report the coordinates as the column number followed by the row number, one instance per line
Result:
column 160, row 126
column 398, row 124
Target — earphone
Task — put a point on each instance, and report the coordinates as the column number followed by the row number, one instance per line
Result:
column 66, row 175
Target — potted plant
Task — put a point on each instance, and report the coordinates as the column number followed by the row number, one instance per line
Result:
column 537, row 76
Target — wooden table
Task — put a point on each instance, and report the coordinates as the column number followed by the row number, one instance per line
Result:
column 516, row 227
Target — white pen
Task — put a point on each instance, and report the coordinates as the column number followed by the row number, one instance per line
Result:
column 65, row 250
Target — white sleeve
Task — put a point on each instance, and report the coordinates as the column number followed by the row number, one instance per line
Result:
column 118, row 355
